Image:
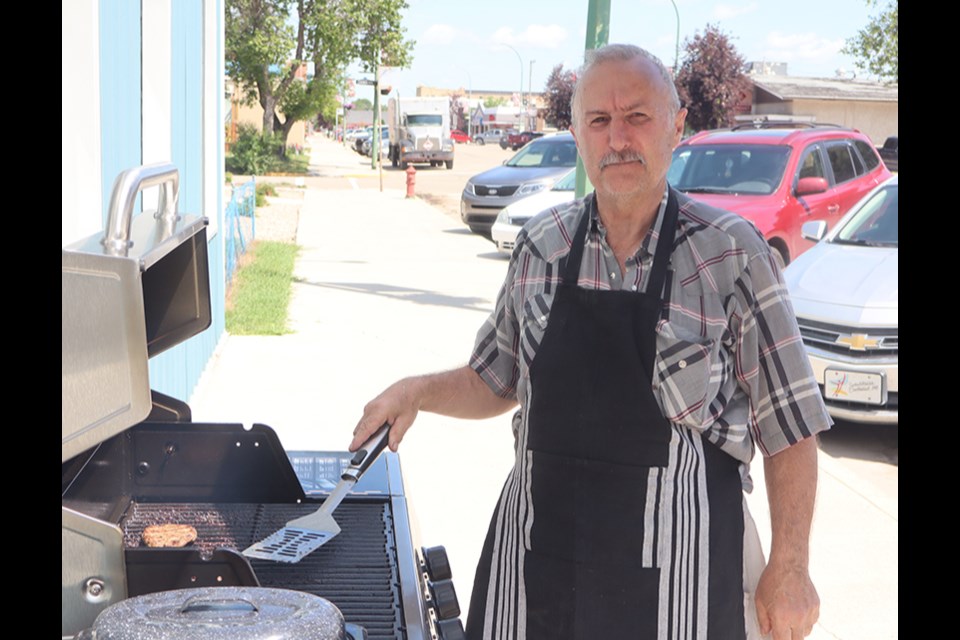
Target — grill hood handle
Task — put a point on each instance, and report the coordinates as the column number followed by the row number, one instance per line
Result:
column 126, row 187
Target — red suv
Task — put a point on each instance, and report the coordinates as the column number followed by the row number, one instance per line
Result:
column 779, row 177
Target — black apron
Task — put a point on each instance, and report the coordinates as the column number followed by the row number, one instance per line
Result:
column 620, row 524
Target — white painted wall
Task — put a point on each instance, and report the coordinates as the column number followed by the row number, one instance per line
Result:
column 80, row 198
column 156, row 100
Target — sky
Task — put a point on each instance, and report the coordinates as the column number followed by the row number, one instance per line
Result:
column 462, row 43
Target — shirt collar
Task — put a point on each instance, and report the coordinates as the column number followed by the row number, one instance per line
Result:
column 649, row 245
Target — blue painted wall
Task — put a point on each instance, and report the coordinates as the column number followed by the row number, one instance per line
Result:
column 177, row 371
column 120, row 113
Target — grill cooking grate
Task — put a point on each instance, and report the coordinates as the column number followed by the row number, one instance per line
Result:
column 357, row 570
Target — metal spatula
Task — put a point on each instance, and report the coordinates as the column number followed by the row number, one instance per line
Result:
column 305, row 535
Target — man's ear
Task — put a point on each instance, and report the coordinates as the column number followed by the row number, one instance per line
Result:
column 678, row 124
column 573, row 130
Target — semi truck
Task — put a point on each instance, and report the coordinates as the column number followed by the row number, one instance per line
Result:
column 420, row 131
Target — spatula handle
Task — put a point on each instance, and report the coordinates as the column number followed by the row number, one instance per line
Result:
column 367, row 453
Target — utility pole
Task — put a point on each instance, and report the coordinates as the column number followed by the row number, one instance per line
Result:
column 598, row 34
column 530, row 119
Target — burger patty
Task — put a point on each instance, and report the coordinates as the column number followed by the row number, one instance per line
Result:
column 169, row 535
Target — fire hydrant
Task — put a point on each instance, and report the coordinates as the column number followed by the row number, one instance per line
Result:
column 411, row 180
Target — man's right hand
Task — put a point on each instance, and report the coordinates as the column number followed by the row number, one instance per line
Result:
column 459, row 393
column 398, row 405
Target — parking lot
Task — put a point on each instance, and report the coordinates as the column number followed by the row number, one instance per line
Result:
column 388, row 287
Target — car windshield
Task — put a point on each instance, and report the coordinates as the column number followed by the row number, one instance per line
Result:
column 546, row 153
column 734, row 169
column 876, row 223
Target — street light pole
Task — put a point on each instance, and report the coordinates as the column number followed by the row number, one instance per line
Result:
column 521, row 76
column 530, row 122
column 676, row 53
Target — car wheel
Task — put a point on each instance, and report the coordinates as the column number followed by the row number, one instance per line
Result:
column 780, row 256
column 480, row 142
column 449, row 164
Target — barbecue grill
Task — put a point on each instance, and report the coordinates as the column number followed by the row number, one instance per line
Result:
column 131, row 457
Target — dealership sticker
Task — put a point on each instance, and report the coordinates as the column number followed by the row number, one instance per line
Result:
column 853, row 386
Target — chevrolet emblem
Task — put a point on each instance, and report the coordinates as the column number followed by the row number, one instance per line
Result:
column 859, row 342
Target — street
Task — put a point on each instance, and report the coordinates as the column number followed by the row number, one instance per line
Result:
column 388, row 287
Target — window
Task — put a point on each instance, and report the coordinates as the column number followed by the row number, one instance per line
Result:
column 869, row 154
column 812, row 164
column 842, row 161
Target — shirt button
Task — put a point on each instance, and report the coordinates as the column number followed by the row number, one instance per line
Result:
column 682, row 364
column 543, row 318
column 613, row 275
column 634, row 287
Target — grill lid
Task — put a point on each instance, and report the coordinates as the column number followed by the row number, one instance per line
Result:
column 128, row 293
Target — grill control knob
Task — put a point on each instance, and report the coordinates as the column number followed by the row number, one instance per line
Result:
column 438, row 566
column 451, row 630
column 444, row 598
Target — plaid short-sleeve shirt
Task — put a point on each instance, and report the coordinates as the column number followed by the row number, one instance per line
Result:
column 730, row 361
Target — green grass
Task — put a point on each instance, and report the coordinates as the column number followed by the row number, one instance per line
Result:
column 291, row 164
column 260, row 295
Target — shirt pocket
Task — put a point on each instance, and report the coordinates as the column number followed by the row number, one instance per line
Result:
column 686, row 377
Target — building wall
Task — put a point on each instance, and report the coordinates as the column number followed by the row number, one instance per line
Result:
column 876, row 119
column 142, row 83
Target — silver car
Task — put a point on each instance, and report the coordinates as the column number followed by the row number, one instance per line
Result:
column 492, row 136
column 511, row 219
column 845, row 291
column 534, row 168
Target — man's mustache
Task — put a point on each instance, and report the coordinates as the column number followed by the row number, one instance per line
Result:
column 620, row 157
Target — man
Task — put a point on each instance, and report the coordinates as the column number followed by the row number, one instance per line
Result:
column 649, row 343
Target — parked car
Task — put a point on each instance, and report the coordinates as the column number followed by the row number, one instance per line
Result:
column 362, row 141
column 845, row 292
column 779, row 177
column 459, row 136
column 512, row 218
column 890, row 153
column 490, row 135
column 351, row 135
column 517, row 140
column 367, row 144
column 534, row 168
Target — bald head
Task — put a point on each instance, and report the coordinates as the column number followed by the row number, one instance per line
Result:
column 621, row 52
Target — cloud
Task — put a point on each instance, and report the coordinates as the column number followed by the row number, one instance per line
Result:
column 442, row 34
column 789, row 47
column 727, row 11
column 543, row 36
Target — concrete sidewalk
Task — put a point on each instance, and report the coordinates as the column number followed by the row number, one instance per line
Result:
column 388, row 287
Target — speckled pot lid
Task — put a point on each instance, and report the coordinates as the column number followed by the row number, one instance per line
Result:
column 232, row 613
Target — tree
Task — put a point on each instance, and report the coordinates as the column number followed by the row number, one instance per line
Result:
column 492, row 101
column 362, row 104
column 711, row 82
column 268, row 43
column 559, row 93
column 876, row 47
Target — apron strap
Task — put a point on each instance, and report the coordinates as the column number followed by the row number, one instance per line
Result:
column 668, row 232
column 571, row 272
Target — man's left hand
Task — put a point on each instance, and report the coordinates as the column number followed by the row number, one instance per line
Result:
column 787, row 602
